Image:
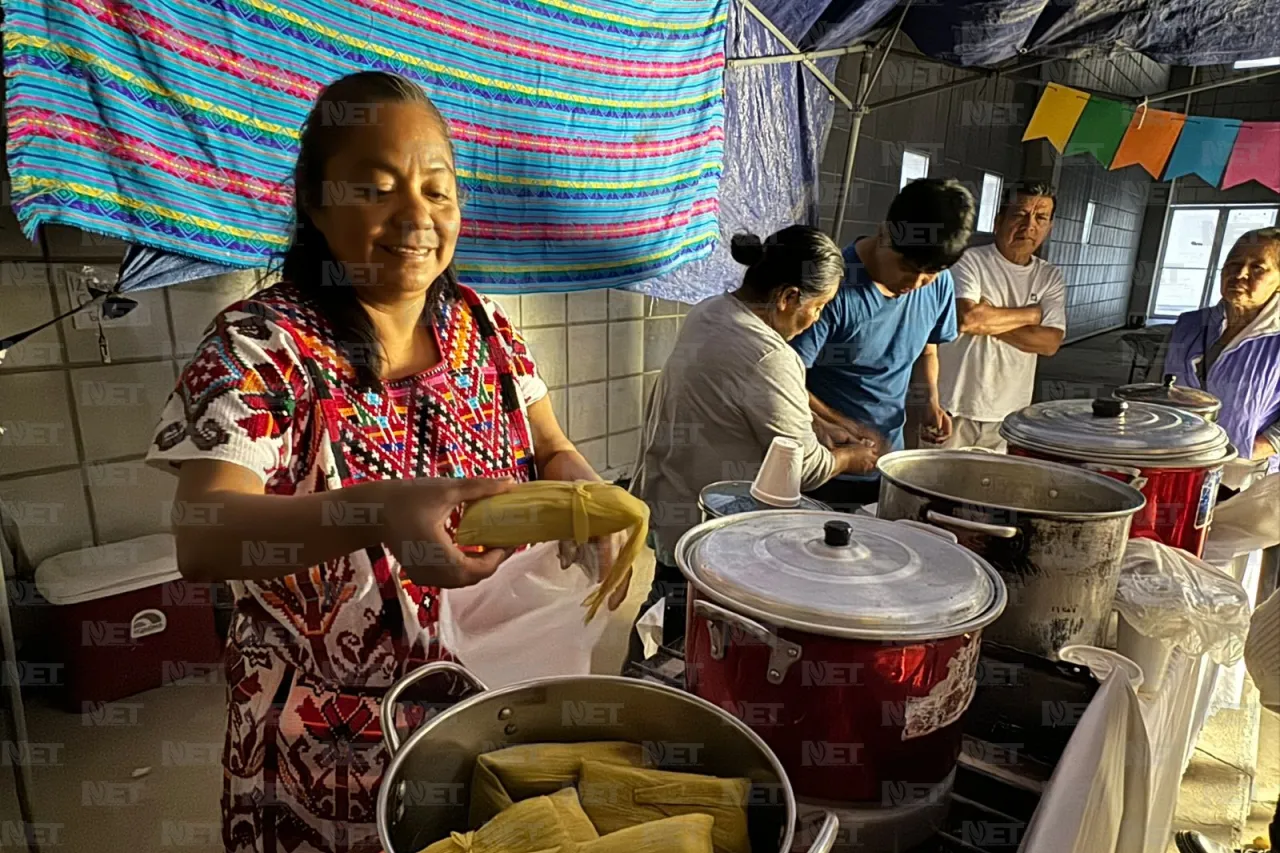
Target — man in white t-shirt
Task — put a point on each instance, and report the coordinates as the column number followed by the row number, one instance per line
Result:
column 1011, row 309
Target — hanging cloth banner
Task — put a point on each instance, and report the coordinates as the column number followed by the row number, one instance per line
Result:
column 1149, row 140
column 1203, row 148
column 1101, row 127
column 1256, row 156
column 1056, row 115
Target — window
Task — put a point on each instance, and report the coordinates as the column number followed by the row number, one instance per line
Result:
column 989, row 202
column 1196, row 243
column 1088, row 222
column 1257, row 63
column 913, row 166
column 1187, row 254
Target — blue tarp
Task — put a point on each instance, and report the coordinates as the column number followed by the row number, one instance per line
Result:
column 1175, row 32
column 777, row 116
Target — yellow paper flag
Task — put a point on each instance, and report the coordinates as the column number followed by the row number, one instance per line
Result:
column 1056, row 115
column 1149, row 140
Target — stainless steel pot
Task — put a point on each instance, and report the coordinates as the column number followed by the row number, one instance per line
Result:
column 424, row 794
column 1169, row 393
column 1056, row 533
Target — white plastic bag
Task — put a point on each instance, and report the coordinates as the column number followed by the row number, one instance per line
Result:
column 1167, row 594
column 525, row 621
column 1249, row 521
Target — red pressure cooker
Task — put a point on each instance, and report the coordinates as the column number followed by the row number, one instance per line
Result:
column 1174, row 457
column 849, row 644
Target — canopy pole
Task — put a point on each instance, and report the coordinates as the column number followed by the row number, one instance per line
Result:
column 789, row 45
column 851, row 150
column 865, row 82
column 956, row 84
column 778, row 59
column 1205, row 87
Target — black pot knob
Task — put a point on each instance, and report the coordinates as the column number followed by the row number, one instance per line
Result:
column 837, row 534
column 1170, row 380
column 1109, row 407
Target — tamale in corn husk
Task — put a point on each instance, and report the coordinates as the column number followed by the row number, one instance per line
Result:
column 689, row 833
column 541, row 823
column 618, row 797
column 516, row 773
column 553, row 511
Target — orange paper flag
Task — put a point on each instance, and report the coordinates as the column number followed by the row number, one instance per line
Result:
column 1149, row 141
column 1056, row 115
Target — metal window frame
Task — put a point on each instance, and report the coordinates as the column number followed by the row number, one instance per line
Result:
column 999, row 198
column 928, row 164
column 1215, row 249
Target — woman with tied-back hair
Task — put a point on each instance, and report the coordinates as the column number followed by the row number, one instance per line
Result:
column 337, row 421
column 733, row 384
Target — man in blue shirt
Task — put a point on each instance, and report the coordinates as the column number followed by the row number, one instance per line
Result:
column 874, row 350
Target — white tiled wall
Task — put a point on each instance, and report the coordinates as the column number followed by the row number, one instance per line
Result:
column 71, row 470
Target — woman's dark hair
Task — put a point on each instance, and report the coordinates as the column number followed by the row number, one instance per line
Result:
column 799, row 256
column 308, row 263
column 930, row 222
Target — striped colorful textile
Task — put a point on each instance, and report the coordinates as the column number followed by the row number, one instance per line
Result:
column 589, row 133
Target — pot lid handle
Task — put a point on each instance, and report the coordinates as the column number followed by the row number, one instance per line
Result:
column 837, row 534
column 1170, row 380
column 1109, row 407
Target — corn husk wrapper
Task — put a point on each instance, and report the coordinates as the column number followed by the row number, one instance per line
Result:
column 552, row 511
column 683, row 834
column 529, row 826
column 618, row 797
column 516, row 773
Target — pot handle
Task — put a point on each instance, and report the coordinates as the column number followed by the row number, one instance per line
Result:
column 782, row 653
column 1136, row 480
column 392, row 696
column 973, row 448
column 827, row 834
column 1000, row 531
column 929, row 528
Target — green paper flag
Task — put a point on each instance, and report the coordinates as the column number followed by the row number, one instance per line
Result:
column 1101, row 127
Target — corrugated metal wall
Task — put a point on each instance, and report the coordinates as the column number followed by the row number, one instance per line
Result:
column 979, row 128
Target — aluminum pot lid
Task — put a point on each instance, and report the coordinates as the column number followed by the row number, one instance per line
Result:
column 1169, row 393
column 732, row 497
column 1110, row 428
column 831, row 570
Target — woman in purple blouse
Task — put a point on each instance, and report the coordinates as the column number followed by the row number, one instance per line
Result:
column 1232, row 350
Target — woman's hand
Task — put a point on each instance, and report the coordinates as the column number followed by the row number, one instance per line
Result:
column 415, row 515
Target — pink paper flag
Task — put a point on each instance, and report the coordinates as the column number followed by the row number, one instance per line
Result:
column 1255, row 156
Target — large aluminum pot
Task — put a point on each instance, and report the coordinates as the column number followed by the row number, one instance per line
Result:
column 849, row 644
column 1055, row 532
column 424, row 794
column 1169, row 393
column 1175, row 457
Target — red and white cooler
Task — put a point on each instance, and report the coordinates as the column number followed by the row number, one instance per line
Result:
column 124, row 620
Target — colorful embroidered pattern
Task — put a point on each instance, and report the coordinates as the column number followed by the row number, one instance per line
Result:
column 311, row 653
column 589, row 133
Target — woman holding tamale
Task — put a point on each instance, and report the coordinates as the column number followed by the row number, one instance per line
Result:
column 336, row 422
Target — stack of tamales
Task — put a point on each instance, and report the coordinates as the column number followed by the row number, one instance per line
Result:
column 597, row 798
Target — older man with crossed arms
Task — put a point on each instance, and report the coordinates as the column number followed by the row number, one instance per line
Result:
column 1010, row 308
